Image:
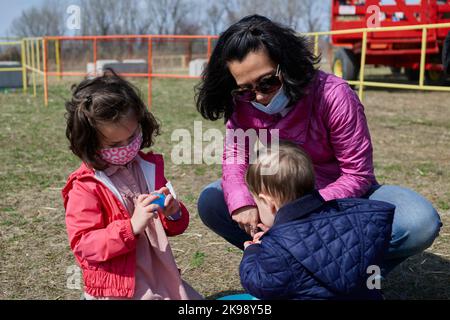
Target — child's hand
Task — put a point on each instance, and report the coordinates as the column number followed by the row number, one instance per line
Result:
column 247, row 244
column 143, row 212
column 257, row 236
column 171, row 205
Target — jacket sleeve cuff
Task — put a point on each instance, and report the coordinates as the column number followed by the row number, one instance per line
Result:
column 176, row 216
column 232, row 208
column 252, row 249
column 176, row 227
column 326, row 195
column 237, row 200
column 345, row 188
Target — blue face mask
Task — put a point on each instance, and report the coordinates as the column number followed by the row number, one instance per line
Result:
column 278, row 103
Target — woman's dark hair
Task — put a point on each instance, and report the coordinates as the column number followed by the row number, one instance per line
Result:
column 108, row 98
column 284, row 46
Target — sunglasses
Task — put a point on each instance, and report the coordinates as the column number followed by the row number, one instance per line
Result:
column 265, row 85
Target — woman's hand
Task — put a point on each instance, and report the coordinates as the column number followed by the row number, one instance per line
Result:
column 247, row 218
column 143, row 212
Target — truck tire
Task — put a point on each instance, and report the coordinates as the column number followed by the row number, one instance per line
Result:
column 412, row 74
column 446, row 54
column 396, row 71
column 345, row 65
column 435, row 78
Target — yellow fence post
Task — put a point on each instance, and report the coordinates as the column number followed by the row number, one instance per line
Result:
column 423, row 53
column 363, row 65
column 33, row 66
column 45, row 67
column 38, row 54
column 316, row 44
column 57, row 58
column 31, row 56
column 362, row 83
column 28, row 55
column 24, row 67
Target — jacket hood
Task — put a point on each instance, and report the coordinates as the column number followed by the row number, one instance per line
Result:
column 83, row 172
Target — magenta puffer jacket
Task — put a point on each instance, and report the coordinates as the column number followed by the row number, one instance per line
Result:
column 328, row 123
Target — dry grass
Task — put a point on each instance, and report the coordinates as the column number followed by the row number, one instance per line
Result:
column 411, row 135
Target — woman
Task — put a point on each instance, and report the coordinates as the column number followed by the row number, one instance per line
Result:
column 261, row 75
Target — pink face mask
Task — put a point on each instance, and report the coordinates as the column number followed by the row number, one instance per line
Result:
column 122, row 155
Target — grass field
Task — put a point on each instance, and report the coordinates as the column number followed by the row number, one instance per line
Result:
column 411, row 136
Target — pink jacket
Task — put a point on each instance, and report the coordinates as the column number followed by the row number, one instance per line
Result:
column 100, row 232
column 329, row 124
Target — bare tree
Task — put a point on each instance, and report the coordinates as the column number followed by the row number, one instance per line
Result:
column 214, row 20
column 47, row 19
column 168, row 15
column 132, row 17
column 314, row 16
column 99, row 17
column 301, row 15
column 103, row 17
column 290, row 12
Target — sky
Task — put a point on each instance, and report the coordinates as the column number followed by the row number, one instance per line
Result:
column 12, row 9
column 15, row 7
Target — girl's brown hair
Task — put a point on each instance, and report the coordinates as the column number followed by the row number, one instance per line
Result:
column 293, row 177
column 107, row 98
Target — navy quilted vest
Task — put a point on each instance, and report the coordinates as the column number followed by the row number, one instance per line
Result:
column 319, row 250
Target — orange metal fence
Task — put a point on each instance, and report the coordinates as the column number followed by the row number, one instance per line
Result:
column 32, row 60
column 150, row 39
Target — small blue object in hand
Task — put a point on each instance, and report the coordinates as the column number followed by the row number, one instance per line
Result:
column 160, row 200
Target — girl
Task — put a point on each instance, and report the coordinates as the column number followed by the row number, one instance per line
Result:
column 118, row 237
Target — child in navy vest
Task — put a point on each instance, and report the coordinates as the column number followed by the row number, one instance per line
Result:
column 309, row 248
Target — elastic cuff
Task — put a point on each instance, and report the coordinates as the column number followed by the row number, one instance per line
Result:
column 252, row 249
column 248, row 205
column 176, row 216
column 128, row 234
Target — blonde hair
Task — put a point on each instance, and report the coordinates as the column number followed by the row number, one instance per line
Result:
column 293, row 178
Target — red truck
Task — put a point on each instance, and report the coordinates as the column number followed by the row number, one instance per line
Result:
column 395, row 49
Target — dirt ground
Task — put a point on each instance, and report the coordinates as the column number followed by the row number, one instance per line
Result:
column 411, row 136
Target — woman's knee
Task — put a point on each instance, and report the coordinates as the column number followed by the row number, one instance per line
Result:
column 425, row 220
column 416, row 221
column 426, row 228
column 210, row 202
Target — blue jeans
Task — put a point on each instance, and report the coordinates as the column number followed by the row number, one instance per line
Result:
column 416, row 223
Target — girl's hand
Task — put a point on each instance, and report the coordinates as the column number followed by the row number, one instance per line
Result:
column 171, row 205
column 143, row 212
